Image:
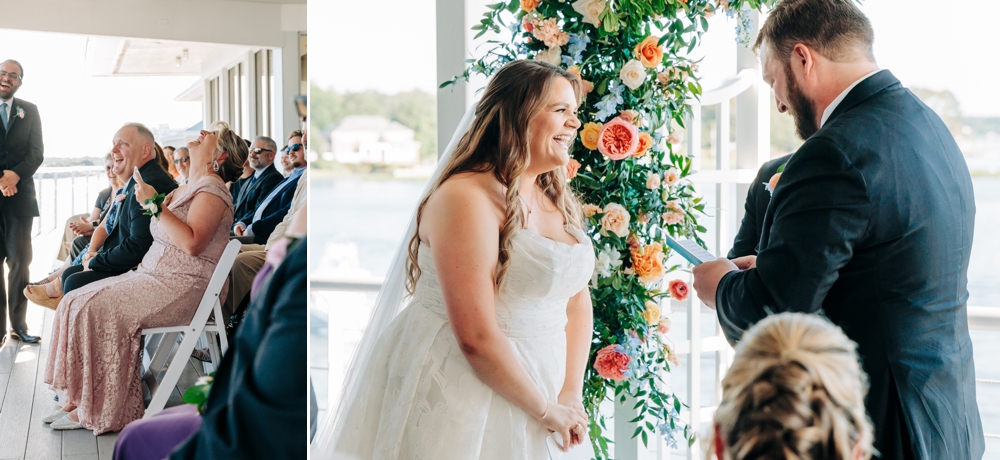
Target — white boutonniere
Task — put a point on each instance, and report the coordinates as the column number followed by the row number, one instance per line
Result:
column 20, row 113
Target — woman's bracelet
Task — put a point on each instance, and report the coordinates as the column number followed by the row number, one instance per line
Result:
column 546, row 411
column 153, row 206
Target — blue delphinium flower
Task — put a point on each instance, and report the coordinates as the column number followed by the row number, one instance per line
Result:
column 608, row 105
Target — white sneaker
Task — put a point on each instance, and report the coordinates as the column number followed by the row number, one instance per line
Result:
column 65, row 424
column 55, row 416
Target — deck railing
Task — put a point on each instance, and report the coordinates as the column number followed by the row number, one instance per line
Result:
column 63, row 192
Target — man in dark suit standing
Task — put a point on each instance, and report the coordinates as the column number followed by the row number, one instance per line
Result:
column 20, row 155
column 870, row 224
column 130, row 238
column 261, row 182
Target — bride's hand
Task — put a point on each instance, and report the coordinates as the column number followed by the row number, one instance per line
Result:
column 575, row 402
column 563, row 420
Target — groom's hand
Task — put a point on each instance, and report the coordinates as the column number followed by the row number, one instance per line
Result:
column 707, row 277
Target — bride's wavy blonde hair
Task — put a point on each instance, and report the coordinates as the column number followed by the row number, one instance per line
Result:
column 795, row 391
column 498, row 142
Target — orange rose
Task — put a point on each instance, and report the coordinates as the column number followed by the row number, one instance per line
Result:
column 649, row 52
column 648, row 263
column 652, row 313
column 571, row 168
column 611, row 363
column 529, row 5
column 645, row 142
column 771, row 184
column 679, row 290
column 618, row 139
column 590, row 134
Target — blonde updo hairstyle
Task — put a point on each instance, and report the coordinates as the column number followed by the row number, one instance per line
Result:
column 231, row 167
column 795, row 391
column 497, row 142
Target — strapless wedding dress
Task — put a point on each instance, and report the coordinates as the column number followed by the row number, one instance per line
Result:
column 420, row 398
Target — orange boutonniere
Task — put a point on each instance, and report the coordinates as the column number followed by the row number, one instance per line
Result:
column 771, row 184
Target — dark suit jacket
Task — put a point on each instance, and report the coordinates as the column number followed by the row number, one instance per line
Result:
column 273, row 213
column 250, row 194
column 758, row 198
column 130, row 239
column 21, row 151
column 871, row 225
column 258, row 403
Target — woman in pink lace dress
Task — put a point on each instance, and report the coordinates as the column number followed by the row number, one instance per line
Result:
column 94, row 364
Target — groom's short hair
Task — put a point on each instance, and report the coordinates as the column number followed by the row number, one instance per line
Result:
column 836, row 28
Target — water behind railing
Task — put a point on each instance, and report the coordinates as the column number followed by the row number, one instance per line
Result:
column 359, row 222
column 63, row 192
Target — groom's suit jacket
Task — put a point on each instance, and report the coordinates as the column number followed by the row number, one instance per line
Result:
column 755, row 209
column 21, row 151
column 129, row 240
column 871, row 224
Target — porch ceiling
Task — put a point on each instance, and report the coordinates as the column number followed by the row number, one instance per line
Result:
column 112, row 56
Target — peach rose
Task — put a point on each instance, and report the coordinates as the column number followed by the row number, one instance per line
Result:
column 615, row 220
column 643, row 218
column 674, row 138
column 671, row 176
column 618, row 139
column 529, row 5
column 611, row 363
column 663, row 327
column 679, row 290
column 648, row 52
column 633, row 74
column 630, row 116
column 652, row 312
column 648, row 263
column 652, row 181
column 771, row 184
column 585, row 85
column 645, row 142
column 672, row 357
column 571, row 168
column 590, row 134
column 672, row 218
column 590, row 10
column 552, row 56
column 591, row 210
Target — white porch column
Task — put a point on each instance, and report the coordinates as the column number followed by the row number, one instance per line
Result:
column 753, row 117
column 286, row 86
column 452, row 50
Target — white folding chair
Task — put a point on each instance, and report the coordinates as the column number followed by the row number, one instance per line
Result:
column 192, row 333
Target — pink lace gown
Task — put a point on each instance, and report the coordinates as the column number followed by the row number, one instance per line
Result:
column 95, row 360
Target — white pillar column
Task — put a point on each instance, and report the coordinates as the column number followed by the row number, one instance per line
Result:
column 286, row 86
column 452, row 46
column 753, row 116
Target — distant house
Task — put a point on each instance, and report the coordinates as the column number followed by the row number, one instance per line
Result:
column 373, row 139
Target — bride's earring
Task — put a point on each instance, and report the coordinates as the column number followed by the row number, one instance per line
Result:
column 215, row 165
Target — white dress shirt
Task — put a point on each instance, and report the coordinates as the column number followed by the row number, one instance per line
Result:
column 840, row 98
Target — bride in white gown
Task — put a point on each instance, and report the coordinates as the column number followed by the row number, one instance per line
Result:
column 488, row 357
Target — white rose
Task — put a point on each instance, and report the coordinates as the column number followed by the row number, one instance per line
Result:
column 633, row 74
column 615, row 220
column 652, row 181
column 591, row 10
column 552, row 56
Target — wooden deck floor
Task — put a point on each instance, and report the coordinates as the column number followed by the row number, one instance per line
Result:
column 25, row 400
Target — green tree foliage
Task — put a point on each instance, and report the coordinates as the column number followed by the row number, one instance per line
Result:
column 416, row 110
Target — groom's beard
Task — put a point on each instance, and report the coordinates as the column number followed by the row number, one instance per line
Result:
column 800, row 107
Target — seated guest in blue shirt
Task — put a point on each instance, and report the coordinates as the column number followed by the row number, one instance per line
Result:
column 275, row 205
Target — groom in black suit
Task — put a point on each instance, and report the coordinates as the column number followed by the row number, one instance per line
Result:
column 130, row 238
column 20, row 155
column 871, row 225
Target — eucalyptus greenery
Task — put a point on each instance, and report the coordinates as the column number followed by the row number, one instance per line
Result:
column 615, row 47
